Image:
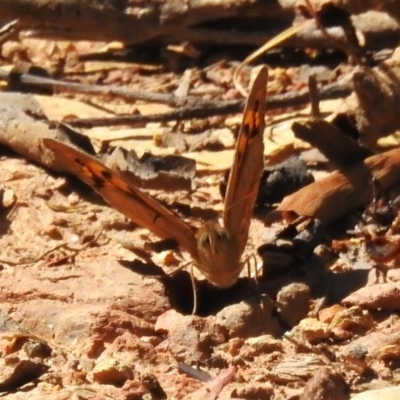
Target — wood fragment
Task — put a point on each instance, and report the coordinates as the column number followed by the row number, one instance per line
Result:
column 212, row 388
column 168, row 21
column 187, row 108
column 335, row 145
column 385, row 296
column 329, row 199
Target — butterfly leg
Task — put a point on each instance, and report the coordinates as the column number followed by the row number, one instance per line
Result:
column 194, row 290
column 381, row 271
column 248, row 264
column 180, row 268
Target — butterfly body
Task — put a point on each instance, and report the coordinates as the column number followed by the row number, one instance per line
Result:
column 218, row 257
column 216, row 250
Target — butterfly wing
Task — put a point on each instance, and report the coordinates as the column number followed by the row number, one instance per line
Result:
column 248, row 165
column 141, row 208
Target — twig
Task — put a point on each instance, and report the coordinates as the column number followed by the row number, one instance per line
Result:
column 314, row 97
column 7, row 31
column 275, row 41
column 73, row 87
column 180, row 114
column 159, row 23
column 349, row 45
column 23, row 333
column 65, row 245
column 187, row 108
column 211, row 389
column 210, row 109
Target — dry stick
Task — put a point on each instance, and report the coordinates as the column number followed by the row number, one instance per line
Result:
column 23, row 333
column 350, row 46
column 181, row 114
column 65, row 245
column 275, row 41
column 8, row 30
column 74, row 87
column 314, row 96
column 188, row 108
column 209, row 109
column 163, row 22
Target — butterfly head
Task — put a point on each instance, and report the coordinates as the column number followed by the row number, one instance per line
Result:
column 218, row 257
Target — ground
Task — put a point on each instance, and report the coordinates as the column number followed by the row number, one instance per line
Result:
column 90, row 308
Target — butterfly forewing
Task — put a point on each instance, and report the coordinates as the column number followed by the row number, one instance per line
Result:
column 220, row 248
column 141, row 208
column 248, row 165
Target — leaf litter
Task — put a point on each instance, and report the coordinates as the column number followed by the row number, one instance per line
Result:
column 94, row 304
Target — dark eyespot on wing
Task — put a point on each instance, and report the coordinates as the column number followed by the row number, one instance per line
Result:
column 98, row 182
column 80, row 162
column 106, row 174
column 256, row 105
column 246, row 129
column 255, row 123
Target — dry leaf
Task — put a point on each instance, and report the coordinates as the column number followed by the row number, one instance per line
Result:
column 332, row 197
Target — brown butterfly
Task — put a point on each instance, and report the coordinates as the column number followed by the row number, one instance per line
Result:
column 215, row 250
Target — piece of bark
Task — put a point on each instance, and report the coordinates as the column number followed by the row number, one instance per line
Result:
column 186, row 108
column 371, row 112
column 332, row 197
column 170, row 172
column 378, row 96
column 211, row 389
column 370, row 346
column 357, row 7
column 23, row 126
column 198, row 22
column 385, row 296
column 335, row 145
column 326, row 385
column 195, row 373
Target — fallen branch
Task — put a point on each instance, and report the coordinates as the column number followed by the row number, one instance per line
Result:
column 331, row 198
column 198, row 22
column 23, row 126
column 188, row 107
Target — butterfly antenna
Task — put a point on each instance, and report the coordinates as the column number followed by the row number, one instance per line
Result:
column 232, row 205
column 192, row 280
column 219, row 215
column 248, row 264
column 238, row 202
